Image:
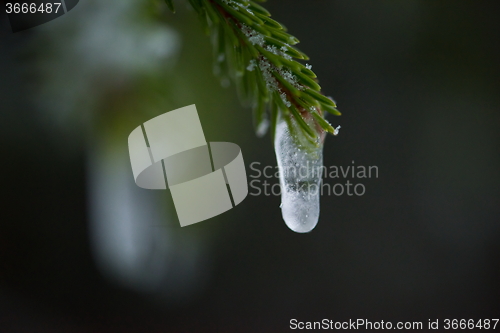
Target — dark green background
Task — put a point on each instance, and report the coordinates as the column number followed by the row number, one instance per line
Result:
column 418, row 85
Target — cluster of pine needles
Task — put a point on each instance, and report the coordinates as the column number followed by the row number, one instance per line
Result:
column 258, row 55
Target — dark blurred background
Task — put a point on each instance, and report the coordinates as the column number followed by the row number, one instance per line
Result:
column 82, row 249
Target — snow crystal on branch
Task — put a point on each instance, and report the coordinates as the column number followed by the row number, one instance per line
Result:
column 254, row 37
column 285, row 99
column 266, row 68
column 336, row 131
column 291, row 78
column 252, row 65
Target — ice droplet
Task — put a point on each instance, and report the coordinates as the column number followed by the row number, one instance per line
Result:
column 300, row 179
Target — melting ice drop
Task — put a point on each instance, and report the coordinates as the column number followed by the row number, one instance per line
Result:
column 300, row 180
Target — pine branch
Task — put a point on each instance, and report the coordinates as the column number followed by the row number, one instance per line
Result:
column 258, row 55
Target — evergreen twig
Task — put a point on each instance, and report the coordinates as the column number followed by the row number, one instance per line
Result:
column 258, row 55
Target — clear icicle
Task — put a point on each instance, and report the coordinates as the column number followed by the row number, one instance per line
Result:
column 300, row 179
